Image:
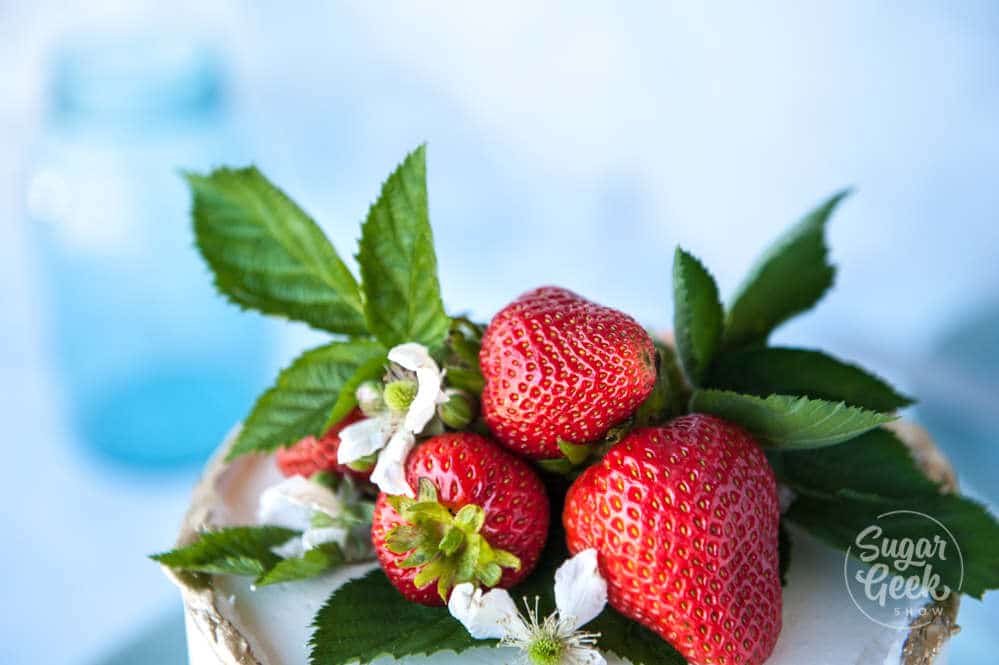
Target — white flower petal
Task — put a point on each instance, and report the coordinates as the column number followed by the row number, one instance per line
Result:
column 416, row 358
column 301, row 493
column 580, row 591
column 484, row 616
column 412, row 356
column 361, row 439
column 292, row 502
column 389, row 473
column 586, row 656
column 424, row 405
column 313, row 538
column 293, row 548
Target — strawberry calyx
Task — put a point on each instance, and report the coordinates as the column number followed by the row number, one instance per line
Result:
column 449, row 548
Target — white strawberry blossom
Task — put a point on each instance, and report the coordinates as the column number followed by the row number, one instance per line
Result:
column 580, row 596
column 391, row 433
column 294, row 503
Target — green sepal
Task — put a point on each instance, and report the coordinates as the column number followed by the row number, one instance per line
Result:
column 469, row 559
column 453, row 538
column 670, row 394
column 576, row 453
column 407, row 537
column 418, row 557
column 445, row 547
column 426, row 490
column 430, row 572
column 489, row 574
column 505, row 560
column 470, row 518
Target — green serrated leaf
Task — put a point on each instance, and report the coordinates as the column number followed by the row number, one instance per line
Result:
column 788, row 422
column 770, row 370
column 351, row 626
column 306, row 394
column 873, row 463
column 697, row 315
column 231, row 551
column 402, row 300
column 842, row 490
column 839, row 519
column 313, row 563
column 346, row 400
column 790, row 277
column 267, row 254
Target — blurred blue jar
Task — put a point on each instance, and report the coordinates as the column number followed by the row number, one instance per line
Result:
column 154, row 366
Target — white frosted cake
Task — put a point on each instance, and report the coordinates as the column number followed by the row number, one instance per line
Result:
column 555, row 486
column 230, row 623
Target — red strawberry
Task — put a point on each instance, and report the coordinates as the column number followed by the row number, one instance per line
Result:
column 311, row 455
column 684, row 518
column 560, row 367
column 474, row 496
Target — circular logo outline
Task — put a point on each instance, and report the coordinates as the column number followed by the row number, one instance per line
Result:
column 930, row 616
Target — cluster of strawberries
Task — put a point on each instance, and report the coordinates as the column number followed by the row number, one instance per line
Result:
column 684, row 516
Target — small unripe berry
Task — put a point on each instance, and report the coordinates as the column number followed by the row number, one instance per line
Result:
column 459, row 410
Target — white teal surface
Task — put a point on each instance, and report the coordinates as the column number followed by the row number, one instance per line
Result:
column 574, row 144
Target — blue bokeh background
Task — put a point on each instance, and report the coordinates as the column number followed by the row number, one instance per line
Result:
column 572, row 143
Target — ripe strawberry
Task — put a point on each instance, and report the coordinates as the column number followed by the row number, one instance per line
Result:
column 479, row 511
column 560, row 367
column 684, row 518
column 311, row 455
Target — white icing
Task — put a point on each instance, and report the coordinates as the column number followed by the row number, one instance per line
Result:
column 821, row 624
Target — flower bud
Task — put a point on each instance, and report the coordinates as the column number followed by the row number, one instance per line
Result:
column 369, row 398
column 459, row 410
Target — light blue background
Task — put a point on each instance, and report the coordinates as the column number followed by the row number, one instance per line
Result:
column 573, row 144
